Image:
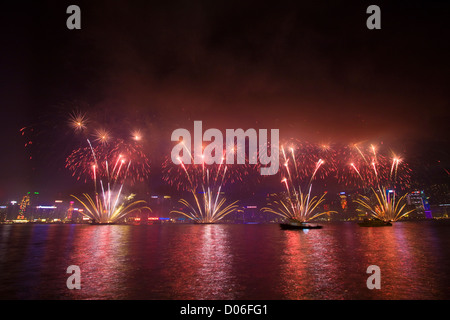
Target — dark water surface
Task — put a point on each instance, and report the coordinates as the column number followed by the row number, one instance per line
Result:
column 224, row 262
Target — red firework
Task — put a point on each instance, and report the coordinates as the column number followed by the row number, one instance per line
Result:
column 81, row 161
column 176, row 175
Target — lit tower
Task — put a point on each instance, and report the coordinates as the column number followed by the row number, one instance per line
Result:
column 23, row 207
column 70, row 211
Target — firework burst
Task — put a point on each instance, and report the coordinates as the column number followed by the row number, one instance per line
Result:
column 182, row 177
column 109, row 204
column 105, row 146
column 381, row 174
column 308, row 154
column 109, row 209
column 136, row 135
column 81, row 160
column 103, row 136
column 297, row 204
column 366, row 167
column 205, row 183
column 78, row 121
column 384, row 206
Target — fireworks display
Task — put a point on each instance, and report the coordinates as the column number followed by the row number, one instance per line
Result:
column 81, row 160
column 105, row 146
column 109, row 162
column 109, row 204
column 114, row 155
column 297, row 204
column 354, row 166
column 182, row 177
column 385, row 206
column 380, row 173
column 205, row 183
column 366, row 167
column 307, row 155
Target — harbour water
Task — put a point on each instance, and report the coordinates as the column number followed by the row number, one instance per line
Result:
column 225, row 261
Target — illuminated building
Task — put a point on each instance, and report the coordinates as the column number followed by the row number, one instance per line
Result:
column 3, row 213
column 161, row 206
column 420, row 202
column 344, row 203
column 23, row 206
column 70, row 211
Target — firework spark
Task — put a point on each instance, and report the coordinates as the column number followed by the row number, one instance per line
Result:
column 102, row 135
column 78, row 121
column 136, row 135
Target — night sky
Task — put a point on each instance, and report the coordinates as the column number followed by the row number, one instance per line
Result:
column 311, row 69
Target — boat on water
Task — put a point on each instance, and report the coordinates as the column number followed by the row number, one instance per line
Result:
column 374, row 223
column 95, row 223
column 296, row 225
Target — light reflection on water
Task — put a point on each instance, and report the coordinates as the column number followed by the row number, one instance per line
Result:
column 225, row 261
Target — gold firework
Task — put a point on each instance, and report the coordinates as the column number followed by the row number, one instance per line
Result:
column 108, row 211
column 385, row 206
column 297, row 204
column 210, row 207
column 109, row 205
column 78, row 121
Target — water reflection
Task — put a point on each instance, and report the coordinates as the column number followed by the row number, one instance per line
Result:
column 404, row 253
column 224, row 261
column 101, row 254
column 297, row 282
column 214, row 277
column 312, row 268
column 202, row 266
column 332, row 263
